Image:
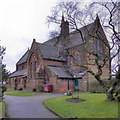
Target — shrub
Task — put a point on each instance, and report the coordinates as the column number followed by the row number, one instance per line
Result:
column 95, row 87
column 4, row 88
column 98, row 89
column 69, row 93
column 41, row 87
column 20, row 89
column 34, row 90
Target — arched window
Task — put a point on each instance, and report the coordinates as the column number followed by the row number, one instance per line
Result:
column 74, row 58
column 31, row 70
column 70, row 60
column 98, row 47
column 78, row 58
column 33, row 65
column 36, row 65
column 47, row 77
column 66, row 59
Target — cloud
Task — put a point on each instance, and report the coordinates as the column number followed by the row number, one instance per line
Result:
column 21, row 21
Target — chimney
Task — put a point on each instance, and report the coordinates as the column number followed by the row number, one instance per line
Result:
column 64, row 27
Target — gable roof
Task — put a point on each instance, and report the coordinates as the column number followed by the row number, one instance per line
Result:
column 49, row 52
column 19, row 73
column 61, row 72
column 23, row 59
column 74, row 38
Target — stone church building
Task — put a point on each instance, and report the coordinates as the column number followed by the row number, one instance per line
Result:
column 52, row 62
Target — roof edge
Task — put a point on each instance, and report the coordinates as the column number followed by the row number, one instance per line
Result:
column 22, row 57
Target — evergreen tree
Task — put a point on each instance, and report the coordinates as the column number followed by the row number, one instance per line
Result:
column 5, row 73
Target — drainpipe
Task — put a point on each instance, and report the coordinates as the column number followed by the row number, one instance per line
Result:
column 68, row 85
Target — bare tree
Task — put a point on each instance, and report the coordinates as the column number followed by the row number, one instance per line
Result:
column 78, row 16
column 53, row 34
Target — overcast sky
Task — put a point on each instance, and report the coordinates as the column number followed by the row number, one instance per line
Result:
column 20, row 22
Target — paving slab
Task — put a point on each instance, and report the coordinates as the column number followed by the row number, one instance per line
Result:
column 29, row 107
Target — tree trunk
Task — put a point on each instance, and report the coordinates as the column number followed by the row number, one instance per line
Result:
column 111, row 89
column 109, row 94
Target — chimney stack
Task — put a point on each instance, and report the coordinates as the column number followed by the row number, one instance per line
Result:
column 64, row 27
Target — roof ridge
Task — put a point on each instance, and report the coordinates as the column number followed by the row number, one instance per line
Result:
column 47, row 45
column 55, row 41
column 82, row 27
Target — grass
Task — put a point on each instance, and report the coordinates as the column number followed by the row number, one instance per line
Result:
column 95, row 106
column 10, row 91
column 2, row 110
column 21, row 93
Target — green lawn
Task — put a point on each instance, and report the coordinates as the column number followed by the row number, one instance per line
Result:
column 95, row 106
column 20, row 93
column 10, row 91
column 2, row 110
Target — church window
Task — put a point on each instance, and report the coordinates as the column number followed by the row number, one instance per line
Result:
column 70, row 60
column 19, row 80
column 47, row 77
column 78, row 58
column 33, row 66
column 74, row 58
column 95, row 47
column 98, row 47
column 24, row 66
column 10, row 82
column 31, row 69
column 66, row 59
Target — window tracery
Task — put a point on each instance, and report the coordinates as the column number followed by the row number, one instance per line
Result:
column 33, row 66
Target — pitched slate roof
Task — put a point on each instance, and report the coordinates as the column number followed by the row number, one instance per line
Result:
column 23, row 59
column 49, row 52
column 60, row 71
column 74, row 37
column 63, row 72
column 19, row 73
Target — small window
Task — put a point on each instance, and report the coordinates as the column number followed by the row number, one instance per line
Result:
column 25, row 66
column 47, row 77
column 31, row 69
column 10, row 82
column 66, row 59
column 98, row 45
column 70, row 60
column 19, row 80
column 73, row 58
column 78, row 58
column 22, row 66
column 36, row 65
column 95, row 47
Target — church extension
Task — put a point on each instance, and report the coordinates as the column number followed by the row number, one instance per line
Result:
column 50, row 63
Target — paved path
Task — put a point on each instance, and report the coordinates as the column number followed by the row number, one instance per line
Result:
column 29, row 107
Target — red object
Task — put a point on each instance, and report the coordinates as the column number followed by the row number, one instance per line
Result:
column 47, row 87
